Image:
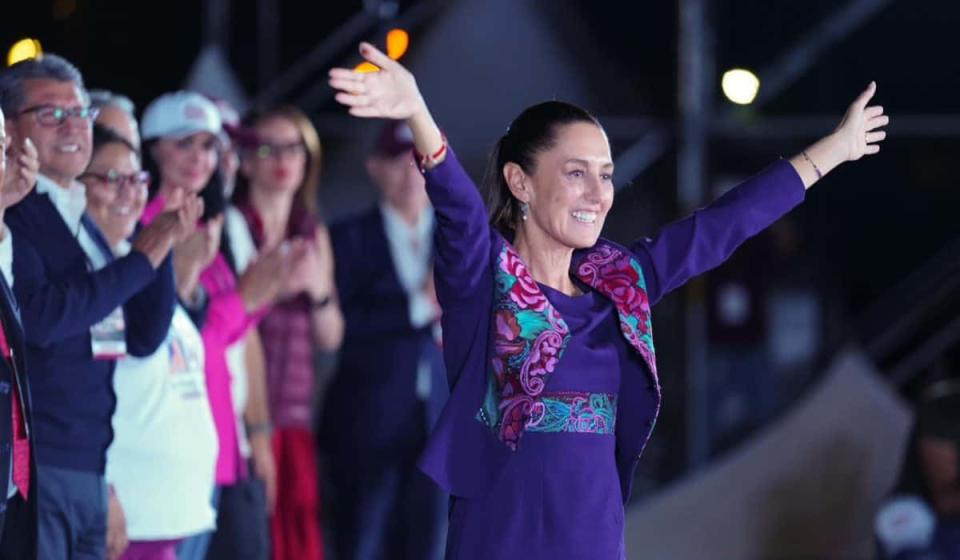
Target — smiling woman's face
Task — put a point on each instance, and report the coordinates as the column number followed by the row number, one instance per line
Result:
column 115, row 199
column 570, row 190
column 187, row 162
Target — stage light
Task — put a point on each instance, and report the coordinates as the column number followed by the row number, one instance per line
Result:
column 366, row 68
column 22, row 50
column 398, row 41
column 740, row 86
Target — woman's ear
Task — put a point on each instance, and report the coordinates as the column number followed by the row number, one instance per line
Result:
column 517, row 182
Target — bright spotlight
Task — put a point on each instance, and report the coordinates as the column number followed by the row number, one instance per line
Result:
column 740, row 86
column 398, row 41
column 22, row 50
column 366, row 67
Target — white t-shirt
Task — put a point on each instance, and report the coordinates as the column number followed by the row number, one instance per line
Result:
column 163, row 457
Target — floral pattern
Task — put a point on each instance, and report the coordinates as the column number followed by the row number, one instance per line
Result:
column 574, row 412
column 529, row 337
column 611, row 271
column 528, row 340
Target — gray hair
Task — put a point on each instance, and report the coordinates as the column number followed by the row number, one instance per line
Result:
column 101, row 98
column 46, row 67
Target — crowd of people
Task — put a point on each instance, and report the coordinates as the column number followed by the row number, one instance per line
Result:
column 168, row 284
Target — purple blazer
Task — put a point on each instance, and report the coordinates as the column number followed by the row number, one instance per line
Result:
column 464, row 455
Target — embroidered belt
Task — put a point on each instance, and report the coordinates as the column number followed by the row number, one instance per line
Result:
column 590, row 413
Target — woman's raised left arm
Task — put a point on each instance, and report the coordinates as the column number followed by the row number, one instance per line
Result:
column 706, row 238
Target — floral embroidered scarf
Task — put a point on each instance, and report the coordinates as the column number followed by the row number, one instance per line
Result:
column 530, row 335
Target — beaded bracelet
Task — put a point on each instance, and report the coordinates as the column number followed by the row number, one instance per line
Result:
column 815, row 168
column 436, row 157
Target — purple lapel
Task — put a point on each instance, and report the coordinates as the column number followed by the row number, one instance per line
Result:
column 610, row 270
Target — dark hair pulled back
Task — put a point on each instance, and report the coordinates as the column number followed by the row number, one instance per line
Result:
column 532, row 132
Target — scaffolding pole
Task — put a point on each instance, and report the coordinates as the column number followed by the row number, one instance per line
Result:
column 694, row 72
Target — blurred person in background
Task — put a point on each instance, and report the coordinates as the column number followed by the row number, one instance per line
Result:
column 81, row 308
column 160, row 464
column 277, row 196
column 118, row 113
column 18, row 514
column 181, row 134
column 926, row 500
column 242, row 529
column 389, row 387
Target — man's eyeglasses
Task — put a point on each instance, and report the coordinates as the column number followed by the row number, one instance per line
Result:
column 55, row 115
column 116, row 180
column 265, row 151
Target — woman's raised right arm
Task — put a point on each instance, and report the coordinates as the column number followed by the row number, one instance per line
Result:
column 463, row 234
column 389, row 93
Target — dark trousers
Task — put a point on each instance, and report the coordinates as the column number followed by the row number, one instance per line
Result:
column 242, row 530
column 385, row 508
column 19, row 538
column 72, row 514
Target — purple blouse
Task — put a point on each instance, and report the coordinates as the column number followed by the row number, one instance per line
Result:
column 562, row 488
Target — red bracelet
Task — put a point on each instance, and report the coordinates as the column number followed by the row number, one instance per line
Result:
column 423, row 160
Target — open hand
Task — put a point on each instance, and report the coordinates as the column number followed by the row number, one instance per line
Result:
column 311, row 267
column 261, row 283
column 156, row 239
column 302, row 265
column 193, row 254
column 390, row 93
column 21, row 174
column 188, row 214
column 859, row 129
column 198, row 249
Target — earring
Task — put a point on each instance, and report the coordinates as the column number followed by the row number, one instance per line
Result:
column 524, row 208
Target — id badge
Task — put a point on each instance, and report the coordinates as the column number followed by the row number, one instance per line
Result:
column 108, row 338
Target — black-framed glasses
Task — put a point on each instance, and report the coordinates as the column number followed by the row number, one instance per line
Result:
column 265, row 150
column 55, row 115
column 116, row 179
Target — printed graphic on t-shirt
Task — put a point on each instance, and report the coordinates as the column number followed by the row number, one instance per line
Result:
column 186, row 360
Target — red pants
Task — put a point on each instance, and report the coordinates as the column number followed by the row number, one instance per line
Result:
column 295, row 525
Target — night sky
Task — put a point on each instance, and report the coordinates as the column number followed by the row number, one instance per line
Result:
column 872, row 224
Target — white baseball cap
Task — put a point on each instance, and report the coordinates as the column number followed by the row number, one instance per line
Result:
column 179, row 114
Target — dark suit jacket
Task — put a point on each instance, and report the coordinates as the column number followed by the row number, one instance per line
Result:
column 372, row 405
column 13, row 373
column 60, row 299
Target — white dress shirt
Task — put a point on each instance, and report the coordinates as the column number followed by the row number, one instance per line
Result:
column 411, row 249
column 71, row 203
